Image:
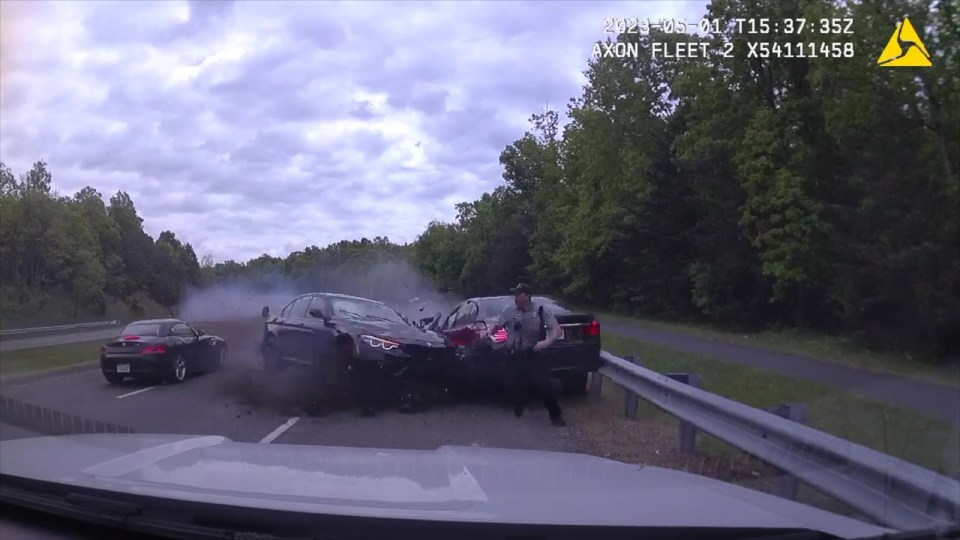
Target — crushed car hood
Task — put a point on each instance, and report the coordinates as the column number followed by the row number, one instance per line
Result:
column 402, row 332
column 450, row 483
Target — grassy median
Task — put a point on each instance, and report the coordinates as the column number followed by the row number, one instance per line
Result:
column 23, row 361
column 830, row 348
column 909, row 435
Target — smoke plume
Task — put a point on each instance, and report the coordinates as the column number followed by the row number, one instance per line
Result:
column 396, row 283
column 232, row 311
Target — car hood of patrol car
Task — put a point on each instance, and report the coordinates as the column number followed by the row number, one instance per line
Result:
column 471, row 484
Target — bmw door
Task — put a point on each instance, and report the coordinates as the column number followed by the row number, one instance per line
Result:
column 187, row 344
column 319, row 342
column 473, row 349
column 291, row 341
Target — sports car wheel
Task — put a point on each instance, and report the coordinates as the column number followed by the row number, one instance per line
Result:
column 221, row 357
column 176, row 370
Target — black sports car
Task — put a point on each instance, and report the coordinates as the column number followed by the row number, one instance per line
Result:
column 168, row 349
column 336, row 333
column 480, row 354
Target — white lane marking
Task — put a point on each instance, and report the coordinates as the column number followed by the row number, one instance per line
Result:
column 135, row 392
column 31, row 383
column 279, row 431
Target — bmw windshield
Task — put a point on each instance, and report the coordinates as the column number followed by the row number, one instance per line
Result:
column 362, row 310
column 143, row 330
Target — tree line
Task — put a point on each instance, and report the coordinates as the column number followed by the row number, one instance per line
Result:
column 63, row 258
column 817, row 193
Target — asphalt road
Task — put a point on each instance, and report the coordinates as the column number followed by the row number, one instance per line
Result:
column 241, row 404
column 940, row 401
column 62, row 339
column 937, row 400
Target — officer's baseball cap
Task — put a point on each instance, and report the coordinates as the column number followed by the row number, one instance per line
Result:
column 521, row 288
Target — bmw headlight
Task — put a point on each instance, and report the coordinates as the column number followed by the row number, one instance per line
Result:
column 380, row 343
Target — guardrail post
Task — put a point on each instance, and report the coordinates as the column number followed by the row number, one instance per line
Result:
column 596, row 384
column 787, row 485
column 630, row 400
column 688, row 431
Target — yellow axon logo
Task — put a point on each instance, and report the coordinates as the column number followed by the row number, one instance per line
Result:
column 904, row 49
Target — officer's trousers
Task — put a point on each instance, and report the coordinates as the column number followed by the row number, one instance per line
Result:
column 527, row 375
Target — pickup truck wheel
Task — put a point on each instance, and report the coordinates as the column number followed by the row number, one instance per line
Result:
column 574, row 384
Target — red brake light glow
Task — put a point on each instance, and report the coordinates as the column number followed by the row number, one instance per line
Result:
column 154, row 349
column 592, row 329
column 500, row 336
column 462, row 336
column 130, row 338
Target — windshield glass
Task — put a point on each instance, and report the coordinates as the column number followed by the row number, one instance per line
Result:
column 742, row 216
column 149, row 329
column 364, row 310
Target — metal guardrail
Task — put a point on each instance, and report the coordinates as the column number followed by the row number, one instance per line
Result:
column 39, row 329
column 51, row 421
column 896, row 493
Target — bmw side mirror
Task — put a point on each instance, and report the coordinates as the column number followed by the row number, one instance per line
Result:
column 265, row 312
column 200, row 332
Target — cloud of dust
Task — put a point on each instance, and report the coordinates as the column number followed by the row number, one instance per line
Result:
column 231, row 311
column 396, row 283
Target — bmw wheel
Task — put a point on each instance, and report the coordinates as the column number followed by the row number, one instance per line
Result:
column 270, row 359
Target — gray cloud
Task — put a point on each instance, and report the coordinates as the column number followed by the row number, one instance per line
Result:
column 264, row 127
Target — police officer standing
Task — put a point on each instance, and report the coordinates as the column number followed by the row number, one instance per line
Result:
column 526, row 371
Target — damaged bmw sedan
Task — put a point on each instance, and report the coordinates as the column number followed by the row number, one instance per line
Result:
column 358, row 344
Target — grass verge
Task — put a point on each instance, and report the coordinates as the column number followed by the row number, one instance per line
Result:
column 908, row 435
column 819, row 346
column 24, row 361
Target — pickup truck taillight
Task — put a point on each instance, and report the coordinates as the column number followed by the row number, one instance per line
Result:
column 592, row 329
column 154, row 349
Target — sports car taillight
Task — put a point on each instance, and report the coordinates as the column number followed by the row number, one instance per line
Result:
column 499, row 337
column 154, row 349
column 592, row 329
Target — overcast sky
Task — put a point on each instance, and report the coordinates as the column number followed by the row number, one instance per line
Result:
column 251, row 128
